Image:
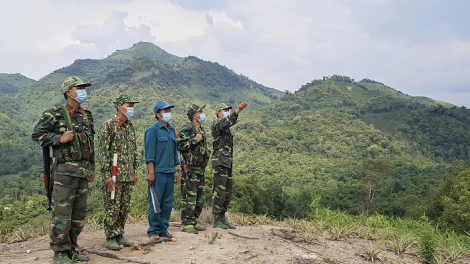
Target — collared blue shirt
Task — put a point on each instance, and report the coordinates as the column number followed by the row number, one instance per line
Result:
column 160, row 148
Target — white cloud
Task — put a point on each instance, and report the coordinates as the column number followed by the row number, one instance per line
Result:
column 281, row 44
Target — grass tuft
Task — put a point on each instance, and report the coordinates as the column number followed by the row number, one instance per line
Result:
column 371, row 253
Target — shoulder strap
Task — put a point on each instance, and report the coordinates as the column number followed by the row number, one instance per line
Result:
column 68, row 121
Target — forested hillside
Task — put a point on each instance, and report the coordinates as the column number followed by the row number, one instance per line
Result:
column 145, row 71
column 359, row 147
column 322, row 141
column 12, row 83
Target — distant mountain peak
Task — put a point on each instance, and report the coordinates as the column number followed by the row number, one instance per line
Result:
column 146, row 50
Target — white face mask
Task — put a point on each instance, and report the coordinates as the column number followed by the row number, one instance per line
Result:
column 166, row 117
column 227, row 113
column 130, row 112
column 81, row 96
column 202, row 118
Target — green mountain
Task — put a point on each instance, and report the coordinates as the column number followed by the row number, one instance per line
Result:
column 359, row 147
column 146, row 72
column 146, row 50
column 437, row 129
column 12, row 83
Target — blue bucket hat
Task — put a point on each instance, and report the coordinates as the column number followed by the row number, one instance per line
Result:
column 161, row 105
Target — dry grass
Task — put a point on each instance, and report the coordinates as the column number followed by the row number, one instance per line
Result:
column 212, row 236
column 293, row 223
column 452, row 246
column 308, row 236
column 365, row 232
column 137, row 218
column 94, row 223
column 206, row 216
column 439, row 259
column 341, row 230
column 401, row 241
column 175, row 216
column 34, row 229
column 371, row 253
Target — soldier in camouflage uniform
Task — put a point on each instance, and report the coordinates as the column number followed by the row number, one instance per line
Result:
column 222, row 159
column 192, row 145
column 117, row 136
column 69, row 131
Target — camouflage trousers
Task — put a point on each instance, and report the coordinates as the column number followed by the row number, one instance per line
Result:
column 117, row 210
column 69, row 199
column 192, row 193
column 222, row 190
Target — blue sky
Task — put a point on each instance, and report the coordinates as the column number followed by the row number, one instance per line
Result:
column 419, row 47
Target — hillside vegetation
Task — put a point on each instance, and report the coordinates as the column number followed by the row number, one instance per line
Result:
column 356, row 147
column 12, row 83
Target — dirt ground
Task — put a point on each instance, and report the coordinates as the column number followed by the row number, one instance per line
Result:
column 247, row 244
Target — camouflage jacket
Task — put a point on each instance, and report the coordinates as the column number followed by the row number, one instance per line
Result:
column 223, row 141
column 117, row 137
column 48, row 131
column 194, row 153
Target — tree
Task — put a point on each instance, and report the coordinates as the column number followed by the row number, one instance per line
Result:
column 376, row 172
column 456, row 204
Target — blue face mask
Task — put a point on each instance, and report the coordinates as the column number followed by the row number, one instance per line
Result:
column 130, row 112
column 227, row 113
column 202, row 118
column 166, row 117
column 81, row 96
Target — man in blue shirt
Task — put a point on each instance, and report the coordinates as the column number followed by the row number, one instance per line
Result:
column 161, row 157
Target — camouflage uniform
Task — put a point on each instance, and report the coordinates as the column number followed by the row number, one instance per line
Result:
column 115, row 136
column 222, row 162
column 75, row 160
column 195, row 156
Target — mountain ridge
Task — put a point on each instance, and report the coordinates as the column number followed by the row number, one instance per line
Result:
column 12, row 83
column 332, row 140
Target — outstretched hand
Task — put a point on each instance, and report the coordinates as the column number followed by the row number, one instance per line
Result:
column 241, row 107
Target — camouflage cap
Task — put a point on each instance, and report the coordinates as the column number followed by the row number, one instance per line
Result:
column 73, row 81
column 221, row 106
column 193, row 109
column 124, row 98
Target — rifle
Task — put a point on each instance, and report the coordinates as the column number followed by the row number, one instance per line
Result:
column 48, row 182
column 184, row 170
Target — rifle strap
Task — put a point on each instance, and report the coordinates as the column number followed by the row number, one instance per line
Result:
column 68, row 121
